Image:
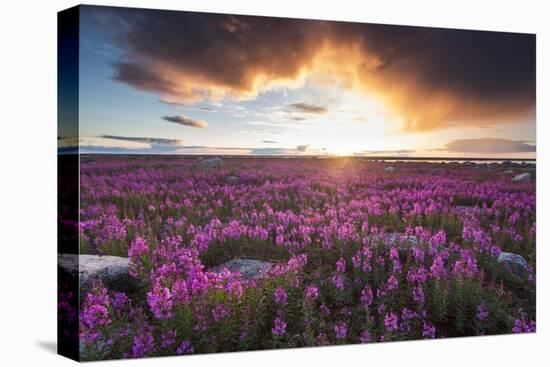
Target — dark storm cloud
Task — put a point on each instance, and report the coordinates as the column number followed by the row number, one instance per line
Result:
column 186, row 121
column 469, row 77
column 489, row 145
column 145, row 140
column 187, row 56
column 306, row 108
column 432, row 78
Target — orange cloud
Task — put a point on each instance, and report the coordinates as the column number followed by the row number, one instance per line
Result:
column 431, row 78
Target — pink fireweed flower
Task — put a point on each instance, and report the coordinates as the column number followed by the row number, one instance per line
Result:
column 481, row 311
column 396, row 265
column 324, row 309
column 356, row 260
column 381, row 309
column 185, row 348
column 366, row 337
column 392, row 283
column 281, row 297
column 418, row 294
column 180, row 292
column 418, row 254
column 120, row 300
column 419, row 275
column 428, row 331
column 407, row 314
column 341, row 265
column 279, row 326
column 95, row 311
column 95, row 315
column 219, row 312
column 143, row 345
column 522, row 326
column 340, row 330
column 495, row 251
column 438, row 239
column 367, row 266
column 366, row 296
column 437, row 270
column 160, row 302
column 338, row 281
column 457, row 268
column 138, row 248
column 321, row 339
column 390, row 321
column 312, row 293
column 394, row 254
column 168, row 338
column 512, row 219
column 367, row 252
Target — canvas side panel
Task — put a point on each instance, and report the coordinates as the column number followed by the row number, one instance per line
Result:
column 67, row 183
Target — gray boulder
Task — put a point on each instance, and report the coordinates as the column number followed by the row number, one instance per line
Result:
column 249, row 268
column 513, row 262
column 232, row 179
column 389, row 169
column 524, row 177
column 111, row 271
column 393, row 239
column 211, row 163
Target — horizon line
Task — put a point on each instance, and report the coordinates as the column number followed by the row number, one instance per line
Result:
column 309, row 156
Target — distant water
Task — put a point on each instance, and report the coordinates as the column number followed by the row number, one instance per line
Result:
column 441, row 160
column 465, row 161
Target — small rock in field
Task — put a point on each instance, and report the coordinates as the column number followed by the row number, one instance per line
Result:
column 249, row 268
column 232, row 179
column 513, row 262
column 524, row 177
column 210, row 163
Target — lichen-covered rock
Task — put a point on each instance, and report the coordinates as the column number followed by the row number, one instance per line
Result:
column 249, row 268
column 513, row 262
column 232, row 179
column 524, row 177
column 211, row 163
column 393, row 239
column 111, row 271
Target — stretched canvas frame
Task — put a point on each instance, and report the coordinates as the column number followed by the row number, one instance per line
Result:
column 159, row 252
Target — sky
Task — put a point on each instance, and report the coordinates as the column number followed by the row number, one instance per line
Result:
column 154, row 81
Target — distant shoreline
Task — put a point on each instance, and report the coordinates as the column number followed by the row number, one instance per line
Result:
column 369, row 158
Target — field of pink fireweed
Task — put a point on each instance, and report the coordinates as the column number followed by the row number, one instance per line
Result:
column 359, row 254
